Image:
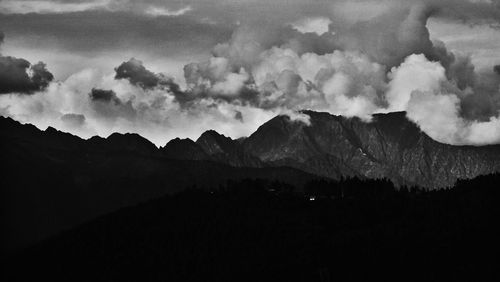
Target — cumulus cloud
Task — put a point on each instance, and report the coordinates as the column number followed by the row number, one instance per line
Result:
column 415, row 73
column 20, row 76
column 438, row 115
column 375, row 65
column 104, row 96
column 137, row 74
column 374, row 62
column 436, row 105
column 111, row 105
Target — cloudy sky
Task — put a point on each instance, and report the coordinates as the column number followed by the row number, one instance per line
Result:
column 176, row 68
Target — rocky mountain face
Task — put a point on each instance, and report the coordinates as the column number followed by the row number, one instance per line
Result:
column 388, row 147
column 224, row 149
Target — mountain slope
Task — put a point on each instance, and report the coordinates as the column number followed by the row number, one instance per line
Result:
column 390, row 146
column 226, row 150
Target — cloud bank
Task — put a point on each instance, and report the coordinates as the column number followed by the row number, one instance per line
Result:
column 337, row 57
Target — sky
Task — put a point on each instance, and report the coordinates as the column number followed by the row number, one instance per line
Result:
column 174, row 68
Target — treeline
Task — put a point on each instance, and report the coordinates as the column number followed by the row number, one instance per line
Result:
column 256, row 230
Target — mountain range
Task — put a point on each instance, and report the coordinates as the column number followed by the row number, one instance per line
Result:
column 54, row 180
column 390, row 147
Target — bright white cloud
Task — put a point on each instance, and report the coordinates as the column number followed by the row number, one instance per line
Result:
column 438, row 115
column 317, row 25
column 415, row 73
column 232, row 83
column 152, row 113
column 162, row 11
column 259, row 73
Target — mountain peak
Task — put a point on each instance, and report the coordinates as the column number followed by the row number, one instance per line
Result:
column 211, row 132
column 389, row 146
column 213, row 142
column 177, row 141
column 130, row 142
column 226, row 150
column 183, row 149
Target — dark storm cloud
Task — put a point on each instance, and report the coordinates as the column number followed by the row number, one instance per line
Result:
column 485, row 102
column 19, row 76
column 496, row 69
column 380, row 38
column 104, row 96
column 73, row 120
column 109, row 106
column 238, row 116
column 137, row 74
column 392, row 36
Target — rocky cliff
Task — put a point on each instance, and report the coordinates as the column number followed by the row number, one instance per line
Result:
column 390, row 146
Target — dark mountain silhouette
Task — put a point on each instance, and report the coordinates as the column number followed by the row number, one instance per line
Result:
column 127, row 142
column 53, row 180
column 226, row 150
column 184, row 149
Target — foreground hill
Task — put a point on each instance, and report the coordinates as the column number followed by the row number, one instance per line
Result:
column 246, row 231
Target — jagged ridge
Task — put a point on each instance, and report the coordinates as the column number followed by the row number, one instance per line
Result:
column 388, row 147
column 333, row 146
